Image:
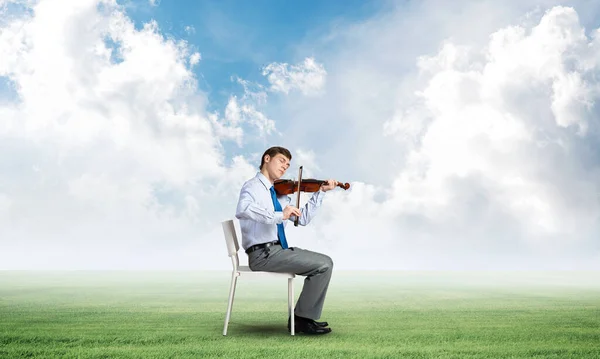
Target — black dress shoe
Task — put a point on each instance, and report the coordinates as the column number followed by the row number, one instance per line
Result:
column 309, row 326
column 296, row 318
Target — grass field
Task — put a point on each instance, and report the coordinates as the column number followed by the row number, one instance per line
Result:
column 373, row 315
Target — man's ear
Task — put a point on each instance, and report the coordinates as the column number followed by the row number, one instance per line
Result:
column 267, row 158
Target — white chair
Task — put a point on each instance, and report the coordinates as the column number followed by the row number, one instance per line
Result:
column 233, row 248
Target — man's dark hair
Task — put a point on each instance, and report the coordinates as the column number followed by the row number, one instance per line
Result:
column 272, row 152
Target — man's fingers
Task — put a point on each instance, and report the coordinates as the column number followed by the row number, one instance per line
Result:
column 293, row 211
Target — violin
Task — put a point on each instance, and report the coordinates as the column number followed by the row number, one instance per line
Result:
column 283, row 187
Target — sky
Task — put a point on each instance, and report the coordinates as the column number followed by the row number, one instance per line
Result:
column 468, row 132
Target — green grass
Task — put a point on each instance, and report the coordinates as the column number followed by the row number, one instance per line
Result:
column 373, row 315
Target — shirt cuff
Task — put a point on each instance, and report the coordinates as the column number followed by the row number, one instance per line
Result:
column 278, row 217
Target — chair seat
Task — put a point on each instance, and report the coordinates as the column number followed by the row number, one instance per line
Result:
column 247, row 271
column 232, row 250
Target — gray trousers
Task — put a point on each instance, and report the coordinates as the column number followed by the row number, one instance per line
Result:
column 315, row 266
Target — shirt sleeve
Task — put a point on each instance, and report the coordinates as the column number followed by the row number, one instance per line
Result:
column 249, row 208
column 310, row 208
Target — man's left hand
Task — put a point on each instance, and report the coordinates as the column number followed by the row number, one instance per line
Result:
column 329, row 185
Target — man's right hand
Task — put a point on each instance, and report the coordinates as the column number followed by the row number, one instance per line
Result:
column 289, row 211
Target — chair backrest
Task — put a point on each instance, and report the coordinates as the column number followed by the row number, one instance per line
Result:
column 232, row 242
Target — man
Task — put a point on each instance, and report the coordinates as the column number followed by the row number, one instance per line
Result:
column 262, row 215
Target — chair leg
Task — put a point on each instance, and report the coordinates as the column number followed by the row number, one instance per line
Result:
column 230, row 304
column 291, row 305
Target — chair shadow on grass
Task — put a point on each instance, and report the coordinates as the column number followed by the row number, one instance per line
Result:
column 258, row 329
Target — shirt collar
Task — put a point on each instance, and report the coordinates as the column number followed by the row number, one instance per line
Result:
column 264, row 180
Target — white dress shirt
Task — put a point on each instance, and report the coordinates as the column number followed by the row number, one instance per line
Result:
column 256, row 213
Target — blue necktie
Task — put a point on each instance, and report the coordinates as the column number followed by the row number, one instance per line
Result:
column 280, row 231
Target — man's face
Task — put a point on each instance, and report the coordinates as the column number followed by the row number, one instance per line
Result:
column 277, row 165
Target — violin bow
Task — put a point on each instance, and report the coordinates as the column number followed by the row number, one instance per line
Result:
column 298, row 198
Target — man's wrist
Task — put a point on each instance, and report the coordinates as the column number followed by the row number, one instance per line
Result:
column 279, row 217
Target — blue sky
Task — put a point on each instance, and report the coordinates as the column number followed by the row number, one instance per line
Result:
column 238, row 38
column 468, row 130
column 6, row 89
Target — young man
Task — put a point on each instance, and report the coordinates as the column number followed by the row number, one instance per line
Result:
column 262, row 215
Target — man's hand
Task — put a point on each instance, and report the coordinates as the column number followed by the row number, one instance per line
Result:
column 289, row 211
column 331, row 184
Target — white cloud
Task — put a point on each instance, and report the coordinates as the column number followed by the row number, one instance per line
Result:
column 471, row 146
column 253, row 92
column 479, row 130
column 195, row 58
column 259, row 120
column 309, row 162
column 489, row 146
column 498, row 132
column 308, row 77
column 190, row 29
column 229, row 127
column 108, row 156
column 237, row 116
column 5, row 203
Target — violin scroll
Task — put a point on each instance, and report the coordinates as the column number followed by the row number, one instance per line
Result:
column 345, row 186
